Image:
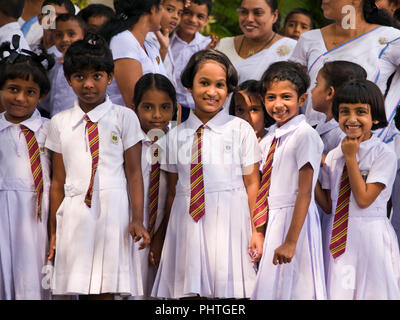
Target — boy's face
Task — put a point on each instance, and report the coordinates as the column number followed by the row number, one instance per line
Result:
column 296, row 25
column 48, row 29
column 66, row 33
column 172, row 14
column 194, row 18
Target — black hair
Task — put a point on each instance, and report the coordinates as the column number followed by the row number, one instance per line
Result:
column 128, row 13
column 208, row 3
column 302, row 11
column 203, row 56
column 154, row 81
column 273, row 4
column 25, row 67
column 252, row 88
column 71, row 17
column 336, row 73
column 91, row 53
column 62, row 3
column 12, row 8
column 374, row 15
column 397, row 118
column 365, row 92
column 285, row 70
column 96, row 10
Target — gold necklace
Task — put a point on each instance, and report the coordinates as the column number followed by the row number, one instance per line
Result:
column 252, row 51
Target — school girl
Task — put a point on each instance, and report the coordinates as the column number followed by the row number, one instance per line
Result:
column 212, row 164
column 362, row 256
column 134, row 56
column 24, row 175
column 155, row 105
column 96, row 170
column 292, row 264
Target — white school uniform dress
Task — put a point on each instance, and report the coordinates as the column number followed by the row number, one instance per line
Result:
column 370, row 266
column 124, row 45
column 148, row 272
column 23, row 237
column 8, row 30
column 253, row 67
column 181, row 52
column 93, row 253
column 303, row 278
column 395, row 218
column 209, row 258
column 365, row 50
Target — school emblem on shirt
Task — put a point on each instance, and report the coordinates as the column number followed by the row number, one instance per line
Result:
column 42, row 149
column 228, row 147
column 114, row 137
column 383, row 40
column 158, row 60
column 283, row 50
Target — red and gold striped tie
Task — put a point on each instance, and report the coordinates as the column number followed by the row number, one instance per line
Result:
column 197, row 205
column 260, row 214
column 337, row 244
column 36, row 167
column 154, row 191
column 93, row 137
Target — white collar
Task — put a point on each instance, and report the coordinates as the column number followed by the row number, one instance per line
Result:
column 363, row 150
column 216, row 123
column 94, row 115
column 198, row 38
column 324, row 127
column 33, row 123
column 288, row 127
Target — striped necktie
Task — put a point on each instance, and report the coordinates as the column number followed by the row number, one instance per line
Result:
column 197, row 204
column 93, row 137
column 337, row 244
column 36, row 167
column 260, row 214
column 154, row 191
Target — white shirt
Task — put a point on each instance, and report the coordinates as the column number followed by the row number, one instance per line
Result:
column 330, row 133
column 7, row 31
column 181, row 52
column 124, row 45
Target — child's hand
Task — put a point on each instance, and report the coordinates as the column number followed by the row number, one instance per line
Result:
column 155, row 249
column 52, row 247
column 284, row 253
column 163, row 37
column 187, row 3
column 138, row 232
column 256, row 246
column 323, row 157
column 213, row 43
column 350, row 146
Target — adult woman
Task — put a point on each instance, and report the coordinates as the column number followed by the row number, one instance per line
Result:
column 360, row 33
column 260, row 45
column 133, row 55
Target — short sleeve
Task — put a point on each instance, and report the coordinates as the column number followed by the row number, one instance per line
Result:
column 250, row 148
column 308, row 149
column 299, row 54
column 131, row 132
column 383, row 169
column 122, row 46
column 391, row 53
column 53, row 141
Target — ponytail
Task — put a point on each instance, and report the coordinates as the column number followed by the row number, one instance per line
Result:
column 374, row 15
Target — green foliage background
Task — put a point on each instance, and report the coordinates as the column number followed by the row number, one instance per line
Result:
column 224, row 18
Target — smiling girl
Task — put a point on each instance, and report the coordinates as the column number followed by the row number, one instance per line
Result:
column 212, row 164
column 362, row 253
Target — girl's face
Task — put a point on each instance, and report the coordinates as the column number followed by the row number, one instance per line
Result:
column 321, row 95
column 333, row 8
column 155, row 110
column 249, row 108
column 282, row 102
column 209, row 89
column 355, row 120
column 19, row 98
column 256, row 18
column 296, row 25
column 172, row 13
column 90, row 86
